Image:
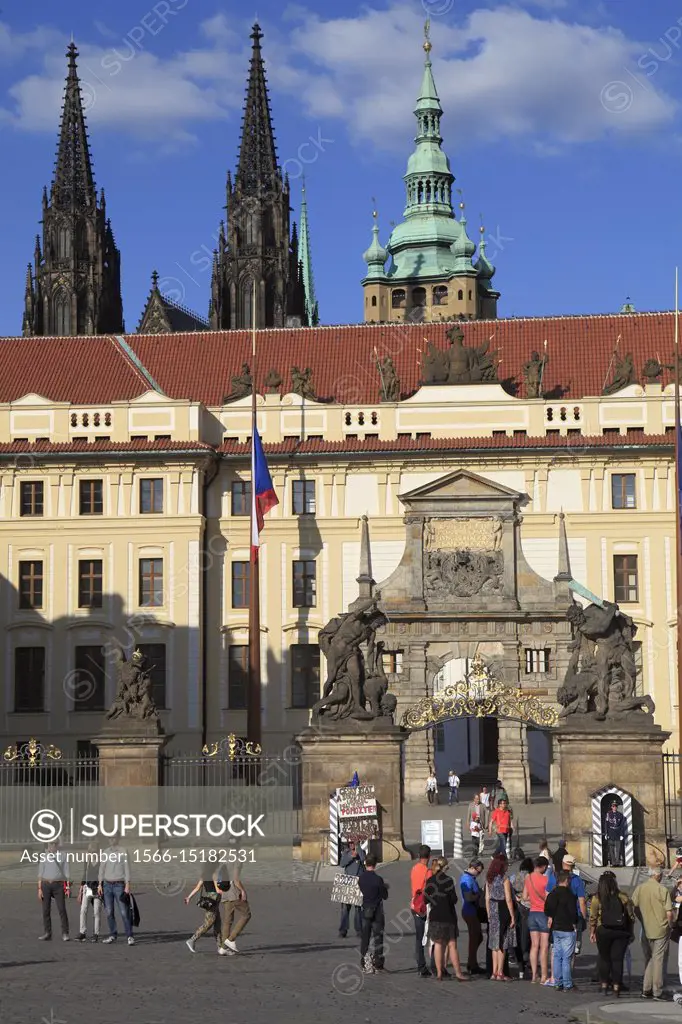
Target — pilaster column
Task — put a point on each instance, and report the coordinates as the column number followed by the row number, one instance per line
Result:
column 125, row 494
column 649, row 473
column 327, row 491
column 7, row 496
column 382, row 481
column 340, row 494
column 419, row 752
column 598, row 477
column 540, row 490
column 174, row 505
column 585, row 477
column 66, row 481
column 512, row 755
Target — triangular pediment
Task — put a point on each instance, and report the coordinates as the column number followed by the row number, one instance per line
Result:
column 461, row 484
column 34, row 399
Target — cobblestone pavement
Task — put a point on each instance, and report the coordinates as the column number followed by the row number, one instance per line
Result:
column 292, row 967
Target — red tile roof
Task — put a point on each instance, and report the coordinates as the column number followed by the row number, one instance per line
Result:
column 354, row 446
column 81, row 370
column 200, row 365
column 85, row 448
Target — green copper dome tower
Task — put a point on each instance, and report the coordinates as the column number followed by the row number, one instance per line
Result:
column 431, row 274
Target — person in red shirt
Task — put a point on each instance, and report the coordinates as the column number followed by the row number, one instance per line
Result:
column 500, row 820
column 419, row 876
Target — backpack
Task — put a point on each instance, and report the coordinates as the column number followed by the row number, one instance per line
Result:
column 419, row 903
column 614, row 914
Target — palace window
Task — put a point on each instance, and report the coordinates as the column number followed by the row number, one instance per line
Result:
column 305, row 675
column 398, row 298
column 151, row 495
column 303, row 494
column 30, row 584
column 91, row 497
column 241, row 497
column 440, row 295
column 374, row 300
column 237, row 677
column 625, row 579
column 151, row 582
column 623, row 490
column 88, row 679
column 29, row 679
column 419, row 296
column 393, row 662
column 537, row 660
column 31, row 497
column 156, row 666
column 241, row 575
column 90, row 583
column 304, row 584
column 460, row 295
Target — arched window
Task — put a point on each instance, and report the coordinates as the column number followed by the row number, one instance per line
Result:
column 62, row 313
column 398, row 298
column 440, row 295
column 247, row 303
column 63, row 242
column 419, row 296
column 250, row 230
column 374, row 300
column 470, row 294
column 460, row 295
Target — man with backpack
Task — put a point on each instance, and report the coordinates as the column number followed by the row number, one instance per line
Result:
column 577, row 887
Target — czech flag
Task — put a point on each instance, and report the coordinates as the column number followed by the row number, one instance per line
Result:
column 263, row 496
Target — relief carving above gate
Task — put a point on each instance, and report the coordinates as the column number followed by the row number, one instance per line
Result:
column 462, row 573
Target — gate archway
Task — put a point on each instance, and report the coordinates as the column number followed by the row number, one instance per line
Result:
column 480, row 695
column 485, row 729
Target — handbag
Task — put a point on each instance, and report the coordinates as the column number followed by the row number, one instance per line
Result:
column 207, row 901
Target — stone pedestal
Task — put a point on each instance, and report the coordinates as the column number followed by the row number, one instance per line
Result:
column 130, row 757
column 330, row 755
column 626, row 753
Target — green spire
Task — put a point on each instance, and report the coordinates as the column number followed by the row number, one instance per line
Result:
column 463, row 249
column 421, row 247
column 312, row 312
column 627, row 306
column 484, row 269
column 375, row 257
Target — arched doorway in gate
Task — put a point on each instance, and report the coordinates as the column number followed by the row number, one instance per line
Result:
column 476, row 719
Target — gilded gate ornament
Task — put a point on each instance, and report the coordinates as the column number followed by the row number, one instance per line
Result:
column 234, row 746
column 479, row 696
column 33, row 752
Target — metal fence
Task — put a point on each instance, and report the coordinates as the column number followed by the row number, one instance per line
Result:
column 23, row 778
column 672, row 782
column 268, row 784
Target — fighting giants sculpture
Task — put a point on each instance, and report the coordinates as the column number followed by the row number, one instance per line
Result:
column 133, row 698
column 354, row 679
column 602, row 674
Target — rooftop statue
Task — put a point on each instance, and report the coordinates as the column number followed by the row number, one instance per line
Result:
column 458, row 364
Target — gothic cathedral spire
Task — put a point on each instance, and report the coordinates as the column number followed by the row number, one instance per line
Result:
column 75, row 286
column 259, row 244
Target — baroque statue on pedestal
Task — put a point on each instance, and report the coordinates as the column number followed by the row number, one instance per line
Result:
column 601, row 677
column 133, row 696
column 355, row 679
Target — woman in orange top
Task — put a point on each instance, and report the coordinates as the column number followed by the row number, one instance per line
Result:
column 534, row 893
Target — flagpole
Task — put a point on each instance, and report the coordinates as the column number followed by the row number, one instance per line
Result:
column 678, row 509
column 253, row 726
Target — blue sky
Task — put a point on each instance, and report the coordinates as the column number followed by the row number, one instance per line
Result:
column 561, row 121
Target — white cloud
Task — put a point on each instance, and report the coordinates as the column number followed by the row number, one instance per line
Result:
column 503, row 72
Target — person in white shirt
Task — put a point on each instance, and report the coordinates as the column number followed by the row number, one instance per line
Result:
column 432, row 788
column 485, row 797
column 453, row 785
